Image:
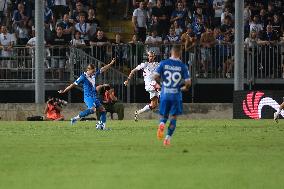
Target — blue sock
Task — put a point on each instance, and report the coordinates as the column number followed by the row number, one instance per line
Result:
column 103, row 117
column 172, row 127
column 163, row 120
column 86, row 112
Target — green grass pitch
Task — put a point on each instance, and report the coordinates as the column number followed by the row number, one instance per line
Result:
column 217, row 154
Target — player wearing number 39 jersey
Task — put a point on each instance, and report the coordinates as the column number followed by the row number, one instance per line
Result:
column 172, row 73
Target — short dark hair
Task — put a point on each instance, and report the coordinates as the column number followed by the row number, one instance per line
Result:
column 176, row 48
column 91, row 66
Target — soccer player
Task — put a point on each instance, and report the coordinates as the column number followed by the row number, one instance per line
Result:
column 88, row 80
column 150, row 84
column 173, row 73
column 276, row 114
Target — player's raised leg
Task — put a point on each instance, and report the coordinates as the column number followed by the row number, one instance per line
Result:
column 91, row 109
column 153, row 104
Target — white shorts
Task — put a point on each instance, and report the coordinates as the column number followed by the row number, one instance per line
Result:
column 153, row 94
column 152, row 91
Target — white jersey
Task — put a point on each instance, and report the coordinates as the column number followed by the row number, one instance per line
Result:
column 148, row 70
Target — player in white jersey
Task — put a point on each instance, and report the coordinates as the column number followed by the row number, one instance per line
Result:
column 276, row 114
column 151, row 85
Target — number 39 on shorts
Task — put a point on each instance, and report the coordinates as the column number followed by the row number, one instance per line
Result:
column 171, row 78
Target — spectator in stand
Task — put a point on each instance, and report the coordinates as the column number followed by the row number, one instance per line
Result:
column 67, row 26
column 227, row 27
column 159, row 11
column 92, row 21
column 207, row 41
column 255, row 25
column 99, row 39
column 149, row 11
column 59, row 43
column 188, row 35
column 199, row 14
column 28, row 4
column 59, row 8
column 83, row 27
column 277, row 25
column 270, row 12
column 48, row 22
column 99, row 43
column 178, row 28
column 6, row 47
column 119, row 50
column 190, row 43
column 22, row 33
column 198, row 27
column 172, row 38
column 154, row 42
column 19, row 15
column 226, row 13
column 228, row 57
column 79, row 10
column 252, row 40
column 251, row 44
column 263, row 20
column 139, row 20
column 77, row 41
column 4, row 11
column 218, row 6
column 247, row 13
column 136, row 50
column 6, row 42
column 179, row 15
column 154, row 24
column 268, row 38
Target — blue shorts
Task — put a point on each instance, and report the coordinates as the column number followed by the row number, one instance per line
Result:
column 170, row 107
column 92, row 102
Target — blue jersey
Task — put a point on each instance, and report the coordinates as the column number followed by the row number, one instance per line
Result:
column 172, row 72
column 89, row 84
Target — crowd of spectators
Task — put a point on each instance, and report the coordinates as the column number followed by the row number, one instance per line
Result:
column 188, row 22
column 209, row 24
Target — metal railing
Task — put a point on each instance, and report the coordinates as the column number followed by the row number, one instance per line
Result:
column 264, row 64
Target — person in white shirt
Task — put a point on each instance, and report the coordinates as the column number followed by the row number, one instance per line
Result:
column 139, row 21
column 77, row 41
column 83, row 27
column 154, row 42
column 255, row 25
column 151, row 86
column 6, row 47
column 6, row 42
column 218, row 6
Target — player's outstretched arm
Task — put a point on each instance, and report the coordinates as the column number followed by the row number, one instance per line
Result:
column 130, row 76
column 67, row 89
column 106, row 67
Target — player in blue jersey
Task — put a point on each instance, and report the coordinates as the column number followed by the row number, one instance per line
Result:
column 173, row 74
column 88, row 80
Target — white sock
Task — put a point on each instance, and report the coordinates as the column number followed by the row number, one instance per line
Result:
column 146, row 108
column 168, row 137
column 77, row 117
column 278, row 112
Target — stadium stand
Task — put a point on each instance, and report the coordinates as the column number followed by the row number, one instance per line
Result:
column 205, row 29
